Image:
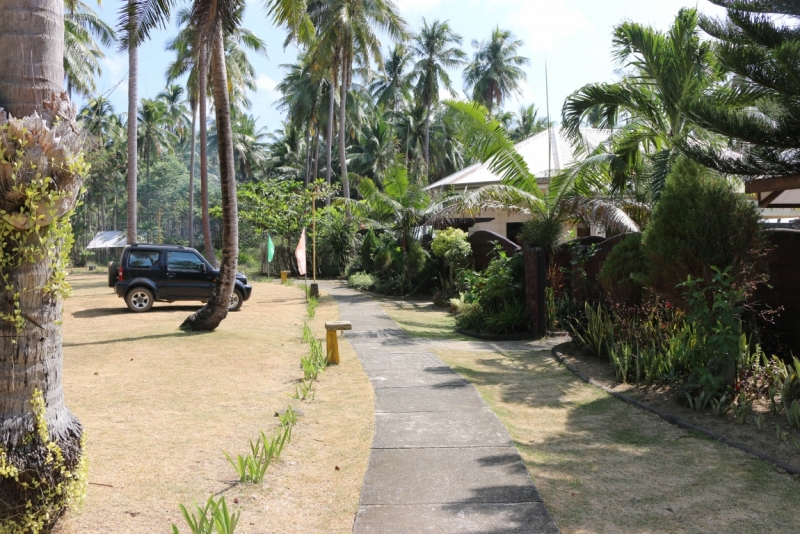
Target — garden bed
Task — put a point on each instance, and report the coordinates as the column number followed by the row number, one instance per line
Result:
column 160, row 406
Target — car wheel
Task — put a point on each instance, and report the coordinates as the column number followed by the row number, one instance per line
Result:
column 139, row 299
column 237, row 299
column 113, row 271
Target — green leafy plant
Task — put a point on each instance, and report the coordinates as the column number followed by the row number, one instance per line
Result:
column 597, row 332
column 623, row 271
column 741, row 408
column 308, row 335
column 313, row 302
column 700, row 222
column 310, row 367
column 362, row 281
column 213, row 517
column 304, row 390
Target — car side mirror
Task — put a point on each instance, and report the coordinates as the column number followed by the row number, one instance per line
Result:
column 203, row 268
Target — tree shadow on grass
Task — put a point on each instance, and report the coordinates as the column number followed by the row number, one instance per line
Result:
column 137, row 338
column 606, row 466
column 107, row 312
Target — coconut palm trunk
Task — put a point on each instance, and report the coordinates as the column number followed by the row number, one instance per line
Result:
column 427, row 137
column 133, row 104
column 203, row 101
column 216, row 309
column 343, row 131
column 191, row 176
column 329, row 140
column 32, row 39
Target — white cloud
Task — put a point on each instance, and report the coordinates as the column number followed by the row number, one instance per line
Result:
column 265, row 83
column 543, row 24
column 417, row 6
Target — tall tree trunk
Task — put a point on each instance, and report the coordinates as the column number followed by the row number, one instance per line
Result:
column 216, row 309
column 316, row 155
column 133, row 103
column 427, row 138
column 203, row 101
column 31, row 357
column 308, row 155
column 343, row 132
column 191, row 180
column 329, row 140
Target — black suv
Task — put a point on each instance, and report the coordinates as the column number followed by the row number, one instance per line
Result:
column 147, row 273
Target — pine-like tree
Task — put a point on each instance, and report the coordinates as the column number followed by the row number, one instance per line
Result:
column 759, row 107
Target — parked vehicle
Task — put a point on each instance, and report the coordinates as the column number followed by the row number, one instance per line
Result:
column 167, row 273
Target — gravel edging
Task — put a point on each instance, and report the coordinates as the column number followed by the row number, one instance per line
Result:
column 671, row 418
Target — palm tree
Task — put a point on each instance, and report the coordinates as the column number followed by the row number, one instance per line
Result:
column 191, row 59
column 346, row 33
column 81, row 52
column 664, row 70
column 31, row 357
column 155, row 136
column 402, row 204
column 172, row 97
column 437, row 48
column 302, row 91
column 494, row 73
column 249, row 147
column 526, row 123
column 129, row 26
column 375, row 150
column 390, row 89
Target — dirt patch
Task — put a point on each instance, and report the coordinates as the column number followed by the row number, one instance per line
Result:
column 159, row 406
column 604, row 466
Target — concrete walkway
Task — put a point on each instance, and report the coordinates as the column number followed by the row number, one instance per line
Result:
column 440, row 461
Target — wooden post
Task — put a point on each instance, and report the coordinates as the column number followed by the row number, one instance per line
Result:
column 332, row 342
column 332, row 346
column 535, row 280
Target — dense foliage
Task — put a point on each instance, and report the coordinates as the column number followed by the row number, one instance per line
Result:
column 702, row 223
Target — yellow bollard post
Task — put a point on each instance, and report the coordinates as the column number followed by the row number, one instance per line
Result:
column 284, row 276
column 332, row 345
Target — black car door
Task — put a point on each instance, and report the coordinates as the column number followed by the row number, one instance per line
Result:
column 144, row 263
column 188, row 276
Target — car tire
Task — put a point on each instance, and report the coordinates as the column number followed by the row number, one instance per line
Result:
column 237, row 299
column 113, row 271
column 139, row 299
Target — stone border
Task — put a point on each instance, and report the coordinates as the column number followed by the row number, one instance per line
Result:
column 671, row 418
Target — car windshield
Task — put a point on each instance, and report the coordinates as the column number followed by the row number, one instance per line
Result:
column 184, row 261
column 143, row 259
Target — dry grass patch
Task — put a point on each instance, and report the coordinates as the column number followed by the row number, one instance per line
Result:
column 421, row 319
column 604, row 466
column 159, row 406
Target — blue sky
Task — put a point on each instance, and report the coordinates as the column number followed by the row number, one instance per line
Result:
column 572, row 36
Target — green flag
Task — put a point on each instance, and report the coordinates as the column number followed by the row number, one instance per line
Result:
column 270, row 248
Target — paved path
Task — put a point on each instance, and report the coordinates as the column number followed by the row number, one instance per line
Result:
column 440, row 461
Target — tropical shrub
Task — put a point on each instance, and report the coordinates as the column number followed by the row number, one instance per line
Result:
column 623, row 271
column 337, row 241
column 362, row 281
column 452, row 245
column 369, row 246
column 702, row 222
column 543, row 232
column 494, row 300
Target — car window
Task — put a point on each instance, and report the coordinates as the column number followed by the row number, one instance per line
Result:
column 184, row 261
column 143, row 259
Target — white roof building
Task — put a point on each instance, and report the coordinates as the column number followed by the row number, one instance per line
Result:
column 546, row 153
